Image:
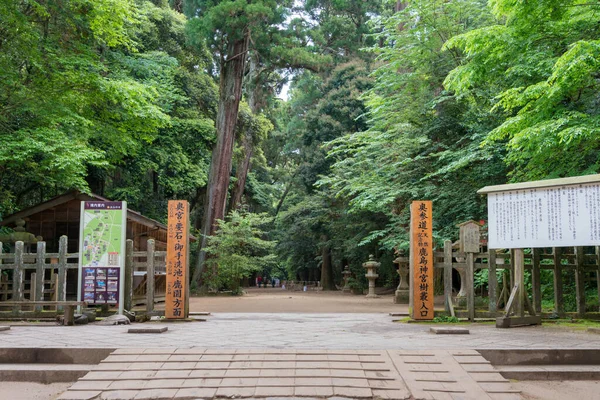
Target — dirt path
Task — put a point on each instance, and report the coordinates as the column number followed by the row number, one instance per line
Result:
column 276, row 300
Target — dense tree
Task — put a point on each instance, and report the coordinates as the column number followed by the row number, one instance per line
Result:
column 537, row 67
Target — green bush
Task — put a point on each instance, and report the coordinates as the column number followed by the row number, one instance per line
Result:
column 237, row 250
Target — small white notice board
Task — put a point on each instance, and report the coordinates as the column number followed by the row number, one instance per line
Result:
column 551, row 213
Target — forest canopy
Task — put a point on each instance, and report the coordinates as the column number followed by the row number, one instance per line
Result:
column 318, row 121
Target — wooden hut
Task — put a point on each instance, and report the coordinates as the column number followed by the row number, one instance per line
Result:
column 60, row 216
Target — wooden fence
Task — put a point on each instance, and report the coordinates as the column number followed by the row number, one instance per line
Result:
column 48, row 277
column 584, row 266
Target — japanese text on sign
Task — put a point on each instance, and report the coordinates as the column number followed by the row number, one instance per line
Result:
column 422, row 260
column 545, row 217
column 176, row 301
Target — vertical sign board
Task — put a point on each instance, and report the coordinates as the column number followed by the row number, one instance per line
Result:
column 102, row 252
column 421, row 260
column 177, row 297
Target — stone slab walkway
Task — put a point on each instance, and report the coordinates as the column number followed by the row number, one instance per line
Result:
column 193, row 373
column 298, row 331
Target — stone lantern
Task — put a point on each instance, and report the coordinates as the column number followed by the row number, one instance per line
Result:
column 402, row 291
column 20, row 235
column 371, row 275
column 346, row 274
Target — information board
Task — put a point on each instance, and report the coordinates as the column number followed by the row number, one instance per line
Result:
column 177, row 297
column 102, row 252
column 559, row 216
column 421, row 254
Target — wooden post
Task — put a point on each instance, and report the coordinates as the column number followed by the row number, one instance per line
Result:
column 520, row 281
column 4, row 296
column 32, row 283
column 558, row 283
column 447, row 276
column 128, row 289
column 579, row 281
column 492, row 282
column 61, row 286
column 511, row 268
column 150, row 276
column 1, row 271
column 536, row 282
column 470, row 286
column 598, row 273
column 17, row 288
column 39, row 274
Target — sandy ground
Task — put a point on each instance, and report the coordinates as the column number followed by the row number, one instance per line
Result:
column 32, row 391
column 276, row 300
column 558, row 390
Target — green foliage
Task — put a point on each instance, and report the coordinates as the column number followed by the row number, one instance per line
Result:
column 238, row 249
column 86, row 87
column 421, row 141
column 537, row 68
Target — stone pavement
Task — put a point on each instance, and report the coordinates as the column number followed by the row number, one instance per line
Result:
column 192, row 373
column 298, row 331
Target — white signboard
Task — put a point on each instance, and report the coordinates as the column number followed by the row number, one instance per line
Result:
column 545, row 217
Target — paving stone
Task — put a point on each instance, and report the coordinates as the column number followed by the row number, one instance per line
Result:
column 277, row 372
column 160, row 350
column 152, row 357
column 90, row 385
column 235, row 392
column 277, row 382
column 101, row 375
column 78, row 395
column 127, row 385
column 311, row 381
column 129, row 375
column 164, row 384
column 185, row 357
column 353, row 393
column 350, row 382
column 128, row 351
column 196, row 393
column 156, row 394
column 119, row 395
column 316, row 391
column 191, row 383
column 207, row 373
column 172, row 373
column 179, row 365
column 268, row 391
column 161, row 329
column 391, row 394
column 239, row 382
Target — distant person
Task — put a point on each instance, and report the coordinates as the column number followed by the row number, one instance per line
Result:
column 259, row 280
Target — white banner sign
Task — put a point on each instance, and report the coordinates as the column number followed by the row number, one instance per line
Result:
column 548, row 217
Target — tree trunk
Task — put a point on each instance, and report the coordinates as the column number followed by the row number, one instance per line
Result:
column 230, row 93
column 326, row 268
column 242, row 172
column 401, row 5
column 254, row 101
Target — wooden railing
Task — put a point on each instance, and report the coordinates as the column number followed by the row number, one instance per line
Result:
column 572, row 260
column 38, row 288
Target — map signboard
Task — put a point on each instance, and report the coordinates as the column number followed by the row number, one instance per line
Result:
column 553, row 213
column 102, row 252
